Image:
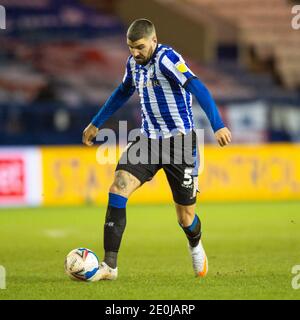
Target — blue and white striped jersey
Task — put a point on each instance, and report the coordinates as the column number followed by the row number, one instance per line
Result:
column 166, row 105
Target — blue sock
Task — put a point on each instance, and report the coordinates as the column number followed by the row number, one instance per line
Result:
column 193, row 232
column 115, row 223
column 117, row 201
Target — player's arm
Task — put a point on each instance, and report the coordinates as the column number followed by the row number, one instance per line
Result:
column 118, row 98
column 204, row 98
column 173, row 66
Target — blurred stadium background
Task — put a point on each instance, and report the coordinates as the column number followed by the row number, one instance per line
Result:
column 60, row 61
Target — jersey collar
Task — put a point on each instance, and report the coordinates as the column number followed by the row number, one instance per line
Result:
column 155, row 52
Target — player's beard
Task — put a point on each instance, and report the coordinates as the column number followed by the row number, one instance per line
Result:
column 144, row 61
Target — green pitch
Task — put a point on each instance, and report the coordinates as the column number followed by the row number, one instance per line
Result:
column 251, row 248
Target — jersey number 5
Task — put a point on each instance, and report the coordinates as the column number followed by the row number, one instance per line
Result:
column 187, row 180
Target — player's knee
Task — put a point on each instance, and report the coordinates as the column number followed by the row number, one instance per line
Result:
column 185, row 214
column 114, row 189
column 186, row 210
column 124, row 184
column 120, row 184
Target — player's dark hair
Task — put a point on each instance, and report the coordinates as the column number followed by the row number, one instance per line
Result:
column 140, row 28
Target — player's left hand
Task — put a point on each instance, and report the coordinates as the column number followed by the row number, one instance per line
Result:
column 89, row 133
column 223, row 136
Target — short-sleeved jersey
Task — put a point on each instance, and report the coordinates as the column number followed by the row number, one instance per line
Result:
column 166, row 105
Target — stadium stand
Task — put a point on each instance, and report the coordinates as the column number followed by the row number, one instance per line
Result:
column 59, row 63
column 263, row 28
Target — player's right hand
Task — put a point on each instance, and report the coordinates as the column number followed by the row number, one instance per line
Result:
column 89, row 133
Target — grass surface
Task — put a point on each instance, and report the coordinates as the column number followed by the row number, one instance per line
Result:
column 251, row 248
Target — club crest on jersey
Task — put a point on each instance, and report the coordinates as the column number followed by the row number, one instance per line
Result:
column 151, row 72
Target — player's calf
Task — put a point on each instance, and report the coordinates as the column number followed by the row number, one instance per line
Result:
column 115, row 221
column 199, row 258
column 193, row 231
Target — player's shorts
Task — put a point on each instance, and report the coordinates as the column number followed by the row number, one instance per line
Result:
column 178, row 156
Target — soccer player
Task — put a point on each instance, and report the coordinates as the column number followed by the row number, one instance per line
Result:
column 165, row 86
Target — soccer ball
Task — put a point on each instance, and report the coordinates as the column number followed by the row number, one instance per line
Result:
column 81, row 264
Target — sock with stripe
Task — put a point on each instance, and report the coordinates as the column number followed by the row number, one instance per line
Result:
column 115, row 223
column 193, row 232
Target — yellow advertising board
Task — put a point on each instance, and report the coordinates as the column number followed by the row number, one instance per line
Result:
column 72, row 175
column 263, row 172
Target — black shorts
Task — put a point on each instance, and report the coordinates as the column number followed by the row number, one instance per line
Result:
column 178, row 156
